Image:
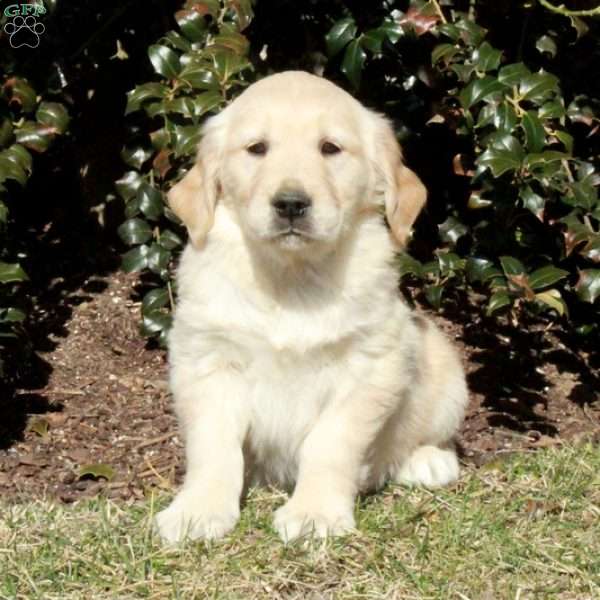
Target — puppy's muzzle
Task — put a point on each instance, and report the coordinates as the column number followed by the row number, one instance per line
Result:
column 291, row 205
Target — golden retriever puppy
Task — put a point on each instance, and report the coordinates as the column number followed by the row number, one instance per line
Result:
column 293, row 360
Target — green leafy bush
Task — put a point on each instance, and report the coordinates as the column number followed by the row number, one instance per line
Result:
column 28, row 125
column 513, row 216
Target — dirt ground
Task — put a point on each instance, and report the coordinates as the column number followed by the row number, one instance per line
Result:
column 102, row 420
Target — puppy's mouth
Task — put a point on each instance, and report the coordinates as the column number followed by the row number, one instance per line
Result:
column 292, row 232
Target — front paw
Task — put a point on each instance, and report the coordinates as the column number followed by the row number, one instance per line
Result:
column 196, row 517
column 296, row 519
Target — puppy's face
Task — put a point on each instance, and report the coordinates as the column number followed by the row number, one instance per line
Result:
column 295, row 164
column 297, row 160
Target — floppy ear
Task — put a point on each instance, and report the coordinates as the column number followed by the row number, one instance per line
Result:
column 194, row 198
column 404, row 193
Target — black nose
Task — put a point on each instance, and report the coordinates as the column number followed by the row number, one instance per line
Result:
column 291, row 204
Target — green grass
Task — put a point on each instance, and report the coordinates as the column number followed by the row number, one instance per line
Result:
column 528, row 527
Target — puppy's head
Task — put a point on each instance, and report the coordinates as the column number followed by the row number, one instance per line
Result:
column 298, row 161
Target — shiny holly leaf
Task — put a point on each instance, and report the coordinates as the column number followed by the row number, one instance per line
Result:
column 154, row 322
column 443, row 52
column 155, row 299
column 538, row 86
column 535, row 134
column 192, row 24
column 392, row 29
column 199, row 76
column 546, row 44
column 11, row 170
column 227, row 64
column 512, row 266
column 407, row 265
column 554, row 300
column 480, row 269
column 143, row 93
column 580, row 111
column 553, row 109
column 353, row 63
column 135, row 156
column 511, row 75
column 232, row 40
column 451, row 230
column 135, row 260
column 150, row 201
column 546, row 276
column 169, row 239
column 158, row 258
column 35, row 136
column 498, row 300
column 566, row 140
column 500, row 160
column 433, row 293
column 164, row 60
column 6, row 132
column 372, row 40
column 342, row 32
column 588, row 286
column 206, row 102
column 486, row 58
column 128, row 184
column 582, row 194
column 532, row 202
column 12, row 273
column 504, row 117
column 53, row 115
column 134, row 231
column 478, row 90
column 187, row 138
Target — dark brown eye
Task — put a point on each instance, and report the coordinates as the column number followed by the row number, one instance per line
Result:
column 258, row 148
column 328, row 148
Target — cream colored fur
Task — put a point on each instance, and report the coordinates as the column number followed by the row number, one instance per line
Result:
column 293, row 360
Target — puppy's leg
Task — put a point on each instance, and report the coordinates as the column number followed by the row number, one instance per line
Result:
column 330, row 463
column 214, row 422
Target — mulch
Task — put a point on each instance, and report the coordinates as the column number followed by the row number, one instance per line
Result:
column 101, row 422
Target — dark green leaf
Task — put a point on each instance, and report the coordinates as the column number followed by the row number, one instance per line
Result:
column 154, row 322
column 433, row 293
column 11, row 273
column 511, row 75
column 588, row 286
column 486, row 58
column 533, row 202
column 498, row 300
column 537, row 86
column 546, row 44
column 409, row 265
column 128, row 185
column 553, row 109
column 479, row 90
column 352, row 65
column 187, row 138
column 35, row 136
column 207, row 102
column 480, row 269
column 169, row 239
column 6, row 132
column 546, row 276
column 392, row 29
column 443, row 52
column 54, row 115
column 451, row 230
column 192, row 24
column 155, row 299
column 135, row 156
column 500, row 160
column 164, row 60
column 554, row 300
column 372, row 40
column 158, row 258
column 151, row 202
column 512, row 266
column 534, row 131
column 199, row 76
column 135, row 260
column 135, row 231
column 340, row 35
column 142, row 93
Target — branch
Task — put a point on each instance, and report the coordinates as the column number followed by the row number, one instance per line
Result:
column 563, row 10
